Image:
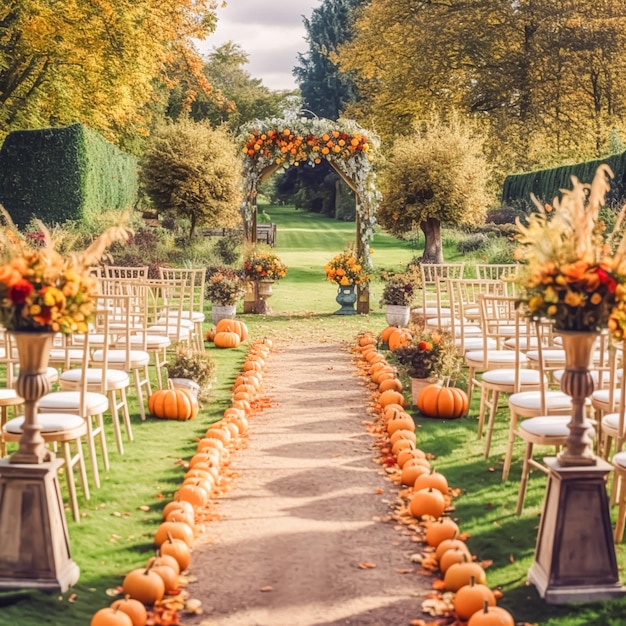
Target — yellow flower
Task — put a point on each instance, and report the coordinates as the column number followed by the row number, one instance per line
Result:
column 573, row 299
column 535, row 303
column 344, row 281
column 596, row 299
column 552, row 310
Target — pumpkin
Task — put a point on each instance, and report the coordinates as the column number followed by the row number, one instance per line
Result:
column 459, row 574
column 184, row 516
column 400, row 338
column 240, row 421
column 440, row 531
column 367, row 339
column 194, row 493
column 233, row 326
column 390, row 383
column 207, row 456
column 208, row 444
column 450, row 557
column 254, row 366
column 433, row 479
column 210, row 473
column 471, row 599
column 407, row 455
column 401, row 444
column 242, row 404
column 491, row 616
column 134, row 609
column 400, row 421
column 177, row 530
column 207, row 483
column 173, row 404
column 209, row 335
column 223, row 434
column 442, row 402
column 387, row 332
column 164, row 559
column 144, row 585
column 177, row 506
column 178, row 549
column 111, row 617
column 403, row 434
column 411, row 472
column 226, row 339
column 451, row 544
column 427, row 502
column 169, row 576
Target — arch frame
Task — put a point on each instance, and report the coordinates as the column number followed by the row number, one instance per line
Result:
column 279, row 143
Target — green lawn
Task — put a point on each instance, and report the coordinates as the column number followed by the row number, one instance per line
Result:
column 114, row 535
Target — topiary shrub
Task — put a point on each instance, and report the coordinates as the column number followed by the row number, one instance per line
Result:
column 473, row 242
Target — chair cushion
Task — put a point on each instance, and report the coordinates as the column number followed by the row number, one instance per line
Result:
column 531, row 400
column 181, row 333
column 49, row 422
column 601, row 396
column 494, row 356
column 611, row 420
column 73, row 354
column 474, row 343
column 506, row 376
column 9, row 397
column 547, row 425
column 619, row 460
column 524, row 343
column 174, row 321
column 94, row 376
column 95, row 403
column 137, row 358
column 195, row 316
column 551, row 355
column 153, row 342
column 595, row 375
column 431, row 310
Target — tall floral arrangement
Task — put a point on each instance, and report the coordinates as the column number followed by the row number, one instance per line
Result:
column 345, row 269
column 573, row 275
column 224, row 286
column 263, row 264
column 40, row 290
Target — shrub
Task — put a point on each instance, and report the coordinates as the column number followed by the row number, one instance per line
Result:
column 471, row 243
column 229, row 249
column 194, row 365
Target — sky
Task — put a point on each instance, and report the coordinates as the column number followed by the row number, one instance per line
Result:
column 271, row 32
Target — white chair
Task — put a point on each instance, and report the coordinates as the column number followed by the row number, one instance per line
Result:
column 435, row 307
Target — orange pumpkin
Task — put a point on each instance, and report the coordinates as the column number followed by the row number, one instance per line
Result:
column 194, row 493
column 433, row 479
column 111, row 617
column 134, row 609
column 427, row 502
column 144, row 585
column 460, row 574
column 450, row 557
column 390, row 383
column 217, row 432
column 403, row 434
column 411, row 472
column 401, row 444
column 173, row 404
column 491, row 616
column 164, row 559
column 176, row 530
column 451, row 544
column 400, row 421
column 407, row 455
column 172, row 507
column 169, row 576
column 387, row 332
column 178, row 549
column 440, row 531
column 226, row 339
column 400, row 338
column 233, row 326
column 209, row 335
column 442, row 402
column 367, row 339
column 471, row 599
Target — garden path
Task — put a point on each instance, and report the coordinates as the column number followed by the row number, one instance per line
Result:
column 307, row 510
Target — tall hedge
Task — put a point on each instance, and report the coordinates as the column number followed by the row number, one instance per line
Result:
column 545, row 184
column 60, row 174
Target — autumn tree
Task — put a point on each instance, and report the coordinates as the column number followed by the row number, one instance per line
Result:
column 435, row 176
column 100, row 63
column 545, row 78
column 192, row 171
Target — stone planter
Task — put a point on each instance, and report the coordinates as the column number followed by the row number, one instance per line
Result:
column 223, row 312
column 265, row 288
column 346, row 297
column 397, row 315
column 187, row 384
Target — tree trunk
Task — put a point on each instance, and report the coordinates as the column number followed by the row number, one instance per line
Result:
column 433, row 251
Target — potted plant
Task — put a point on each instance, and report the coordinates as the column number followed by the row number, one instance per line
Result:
column 398, row 296
column 192, row 370
column 347, row 271
column 224, row 287
column 429, row 358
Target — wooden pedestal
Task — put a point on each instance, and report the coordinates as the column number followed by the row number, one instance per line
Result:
column 363, row 298
column 253, row 302
column 575, row 555
column 34, row 550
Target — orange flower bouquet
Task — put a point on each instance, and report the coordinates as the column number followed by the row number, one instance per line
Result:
column 572, row 275
column 345, row 269
column 42, row 291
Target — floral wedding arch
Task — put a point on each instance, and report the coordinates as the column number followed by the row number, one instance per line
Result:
column 276, row 143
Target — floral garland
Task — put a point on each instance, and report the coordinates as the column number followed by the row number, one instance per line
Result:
column 292, row 140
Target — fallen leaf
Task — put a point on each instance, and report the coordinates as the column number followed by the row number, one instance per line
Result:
column 511, row 559
column 366, row 565
column 485, row 564
column 267, row 588
column 379, row 490
column 72, row 598
column 497, row 594
column 193, row 606
column 404, row 571
column 116, row 514
column 438, row 584
column 112, row 592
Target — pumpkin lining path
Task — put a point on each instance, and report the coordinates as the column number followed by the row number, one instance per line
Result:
column 302, row 524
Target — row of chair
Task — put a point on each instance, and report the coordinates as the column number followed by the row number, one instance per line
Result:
column 137, row 321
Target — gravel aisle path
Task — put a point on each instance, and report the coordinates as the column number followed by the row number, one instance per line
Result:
column 305, row 510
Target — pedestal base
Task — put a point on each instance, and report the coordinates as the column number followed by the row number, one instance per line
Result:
column 575, row 555
column 34, row 551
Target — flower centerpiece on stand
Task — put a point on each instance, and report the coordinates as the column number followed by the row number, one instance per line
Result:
column 225, row 286
column 347, row 271
column 262, row 267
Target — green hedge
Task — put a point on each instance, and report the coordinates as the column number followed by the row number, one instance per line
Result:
column 60, row 174
column 545, row 184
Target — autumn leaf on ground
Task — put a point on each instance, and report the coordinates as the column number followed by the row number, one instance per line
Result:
column 485, row 564
column 463, row 536
column 144, row 507
column 439, row 585
column 497, row 594
column 267, row 588
column 366, row 565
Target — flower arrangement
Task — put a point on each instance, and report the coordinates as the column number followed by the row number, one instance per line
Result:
column 224, row 286
column 430, row 355
column 399, row 289
column 345, row 269
column 194, row 365
column 572, row 275
column 263, row 264
column 42, row 291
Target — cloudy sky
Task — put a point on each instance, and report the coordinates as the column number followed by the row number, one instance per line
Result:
column 270, row 31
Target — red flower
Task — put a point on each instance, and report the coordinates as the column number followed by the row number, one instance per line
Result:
column 607, row 279
column 423, row 345
column 20, row 291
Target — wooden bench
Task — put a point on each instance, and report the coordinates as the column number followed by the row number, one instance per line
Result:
column 265, row 233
